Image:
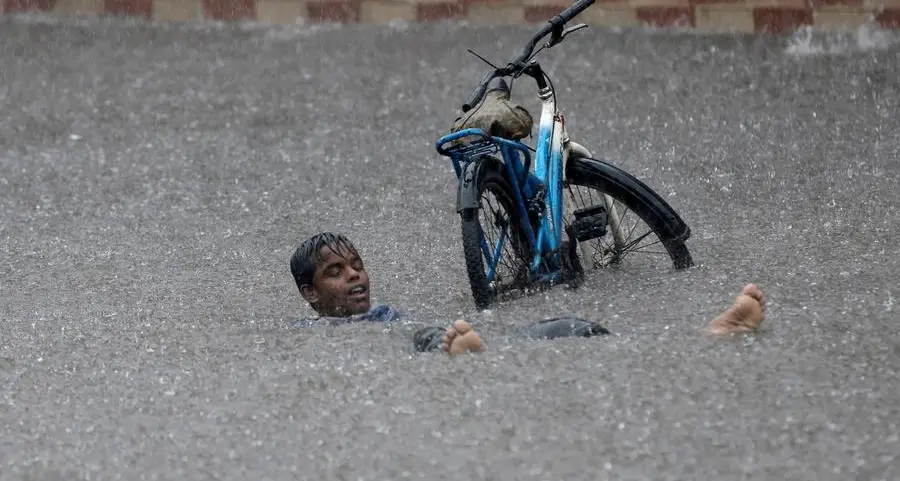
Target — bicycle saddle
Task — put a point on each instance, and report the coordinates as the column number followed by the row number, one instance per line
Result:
column 498, row 83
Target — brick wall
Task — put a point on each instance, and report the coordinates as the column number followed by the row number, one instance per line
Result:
column 773, row 16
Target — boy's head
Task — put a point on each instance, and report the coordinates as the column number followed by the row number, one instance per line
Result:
column 330, row 275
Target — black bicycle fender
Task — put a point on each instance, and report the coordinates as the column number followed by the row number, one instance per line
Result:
column 622, row 180
column 467, row 191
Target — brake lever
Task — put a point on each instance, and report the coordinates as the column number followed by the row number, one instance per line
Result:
column 556, row 39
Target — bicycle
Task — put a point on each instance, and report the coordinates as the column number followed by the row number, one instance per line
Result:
column 492, row 164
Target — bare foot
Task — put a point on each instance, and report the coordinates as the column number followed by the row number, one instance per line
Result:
column 460, row 339
column 745, row 315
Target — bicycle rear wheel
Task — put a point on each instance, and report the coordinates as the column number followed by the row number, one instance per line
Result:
column 495, row 246
column 637, row 220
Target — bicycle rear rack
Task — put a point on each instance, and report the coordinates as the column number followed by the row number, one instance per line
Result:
column 477, row 147
column 481, row 145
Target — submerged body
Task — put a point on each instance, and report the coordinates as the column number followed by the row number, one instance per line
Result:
column 431, row 338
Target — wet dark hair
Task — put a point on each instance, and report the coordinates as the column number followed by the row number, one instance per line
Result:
column 306, row 257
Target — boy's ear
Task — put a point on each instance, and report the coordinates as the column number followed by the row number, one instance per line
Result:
column 309, row 293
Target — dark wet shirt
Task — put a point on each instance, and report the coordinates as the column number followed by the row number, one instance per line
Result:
column 429, row 338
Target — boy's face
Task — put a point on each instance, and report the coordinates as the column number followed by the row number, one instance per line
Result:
column 340, row 285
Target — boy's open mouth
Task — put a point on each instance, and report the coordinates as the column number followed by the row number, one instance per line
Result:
column 359, row 291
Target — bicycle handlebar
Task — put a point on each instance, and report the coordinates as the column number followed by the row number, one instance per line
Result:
column 554, row 25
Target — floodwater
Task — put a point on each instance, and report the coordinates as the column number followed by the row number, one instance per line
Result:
column 154, row 181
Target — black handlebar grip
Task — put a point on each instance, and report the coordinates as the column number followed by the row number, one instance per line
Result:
column 571, row 12
column 478, row 93
column 476, row 97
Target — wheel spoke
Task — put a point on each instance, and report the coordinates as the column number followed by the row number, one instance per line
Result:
column 495, row 256
column 627, row 246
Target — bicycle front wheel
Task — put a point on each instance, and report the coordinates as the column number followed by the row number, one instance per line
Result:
column 639, row 224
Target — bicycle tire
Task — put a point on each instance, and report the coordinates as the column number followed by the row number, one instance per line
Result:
column 662, row 219
column 490, row 176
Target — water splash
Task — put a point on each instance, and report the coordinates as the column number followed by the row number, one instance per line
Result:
column 868, row 37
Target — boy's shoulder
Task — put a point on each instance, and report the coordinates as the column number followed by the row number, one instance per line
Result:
column 380, row 313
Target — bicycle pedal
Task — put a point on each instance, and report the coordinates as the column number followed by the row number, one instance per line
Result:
column 590, row 223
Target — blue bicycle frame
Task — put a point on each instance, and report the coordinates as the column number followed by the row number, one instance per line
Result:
column 549, row 161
